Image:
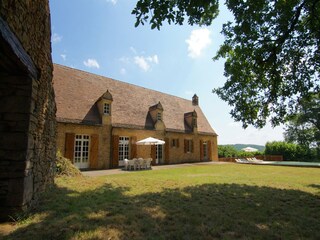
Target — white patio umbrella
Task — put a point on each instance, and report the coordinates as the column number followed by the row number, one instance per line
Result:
column 150, row 141
column 249, row 149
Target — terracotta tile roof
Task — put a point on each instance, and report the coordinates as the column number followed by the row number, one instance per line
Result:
column 77, row 92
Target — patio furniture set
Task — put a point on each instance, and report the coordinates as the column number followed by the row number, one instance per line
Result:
column 137, row 164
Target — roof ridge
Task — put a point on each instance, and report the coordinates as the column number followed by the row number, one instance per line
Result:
column 76, row 69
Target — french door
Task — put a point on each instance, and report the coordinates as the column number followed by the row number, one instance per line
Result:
column 159, row 154
column 81, row 151
column 123, row 149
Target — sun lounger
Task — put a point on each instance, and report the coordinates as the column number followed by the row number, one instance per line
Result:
column 254, row 160
column 241, row 160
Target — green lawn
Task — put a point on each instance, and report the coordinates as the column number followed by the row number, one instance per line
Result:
column 199, row 202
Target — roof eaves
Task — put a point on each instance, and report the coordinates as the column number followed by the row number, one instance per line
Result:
column 77, row 121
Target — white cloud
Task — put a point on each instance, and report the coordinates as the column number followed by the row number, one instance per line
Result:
column 198, row 40
column 123, row 71
column 114, row 2
column 55, row 38
column 63, row 56
column 91, row 63
column 153, row 59
column 144, row 62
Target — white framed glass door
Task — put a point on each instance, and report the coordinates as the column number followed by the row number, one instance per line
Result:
column 123, row 150
column 81, row 151
column 159, row 154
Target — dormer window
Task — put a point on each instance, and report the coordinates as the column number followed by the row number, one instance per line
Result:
column 194, row 122
column 191, row 120
column 106, row 109
column 156, row 114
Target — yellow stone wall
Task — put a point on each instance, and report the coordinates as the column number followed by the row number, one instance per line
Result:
column 104, row 139
column 176, row 154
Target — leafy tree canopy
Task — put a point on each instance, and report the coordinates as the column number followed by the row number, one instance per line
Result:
column 200, row 12
column 303, row 127
column 271, row 50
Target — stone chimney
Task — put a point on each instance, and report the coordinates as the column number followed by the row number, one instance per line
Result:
column 195, row 100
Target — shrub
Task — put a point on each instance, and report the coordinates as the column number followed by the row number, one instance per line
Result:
column 65, row 167
column 226, row 151
column 290, row 151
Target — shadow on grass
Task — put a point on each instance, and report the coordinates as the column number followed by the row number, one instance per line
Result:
column 209, row 211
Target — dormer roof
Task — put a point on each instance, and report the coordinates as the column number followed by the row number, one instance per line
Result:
column 157, row 106
column 107, row 96
column 191, row 114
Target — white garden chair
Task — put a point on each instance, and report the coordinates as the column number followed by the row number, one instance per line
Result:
column 141, row 163
column 132, row 164
column 126, row 164
column 148, row 163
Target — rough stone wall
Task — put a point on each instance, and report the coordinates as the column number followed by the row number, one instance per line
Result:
column 30, row 22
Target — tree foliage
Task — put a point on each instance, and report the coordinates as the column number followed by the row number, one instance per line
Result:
column 303, row 127
column 200, row 12
column 271, row 49
column 290, row 151
column 227, row 151
column 272, row 58
column 230, row 151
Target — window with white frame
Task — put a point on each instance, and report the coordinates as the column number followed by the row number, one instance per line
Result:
column 81, row 149
column 123, row 148
column 106, row 109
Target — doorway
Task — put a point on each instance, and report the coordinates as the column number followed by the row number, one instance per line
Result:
column 123, row 150
column 205, row 151
column 81, row 151
column 159, row 154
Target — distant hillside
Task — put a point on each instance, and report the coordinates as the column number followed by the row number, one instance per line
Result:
column 240, row 146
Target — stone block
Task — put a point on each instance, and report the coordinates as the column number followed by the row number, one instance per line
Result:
column 12, row 155
column 17, row 104
column 13, row 141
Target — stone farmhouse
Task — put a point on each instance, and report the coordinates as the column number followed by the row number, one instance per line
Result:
column 101, row 119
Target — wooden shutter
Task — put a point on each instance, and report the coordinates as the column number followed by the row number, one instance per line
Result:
column 201, row 150
column 209, row 150
column 153, row 154
column 133, row 147
column 177, row 142
column 192, row 147
column 69, row 146
column 94, row 148
column 185, row 145
column 166, row 150
column 115, row 151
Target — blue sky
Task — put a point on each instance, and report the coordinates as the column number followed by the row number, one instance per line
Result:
column 99, row 36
